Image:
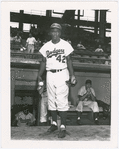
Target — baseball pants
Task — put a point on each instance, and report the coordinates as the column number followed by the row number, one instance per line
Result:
column 91, row 104
column 30, row 48
column 58, row 90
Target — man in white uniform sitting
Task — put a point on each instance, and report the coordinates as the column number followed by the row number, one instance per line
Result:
column 86, row 97
column 24, row 118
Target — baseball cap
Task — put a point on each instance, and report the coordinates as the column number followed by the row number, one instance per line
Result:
column 88, row 81
column 56, row 25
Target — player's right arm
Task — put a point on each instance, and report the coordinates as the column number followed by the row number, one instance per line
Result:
column 42, row 68
column 81, row 98
column 81, row 95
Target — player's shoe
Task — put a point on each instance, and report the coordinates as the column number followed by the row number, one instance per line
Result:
column 96, row 122
column 62, row 133
column 52, row 128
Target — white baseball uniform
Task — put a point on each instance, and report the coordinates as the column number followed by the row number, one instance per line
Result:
column 91, row 104
column 57, row 89
column 23, row 119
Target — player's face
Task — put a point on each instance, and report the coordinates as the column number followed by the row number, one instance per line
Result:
column 25, row 111
column 30, row 35
column 88, row 85
column 55, row 34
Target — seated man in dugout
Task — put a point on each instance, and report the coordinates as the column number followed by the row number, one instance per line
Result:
column 86, row 97
column 24, row 118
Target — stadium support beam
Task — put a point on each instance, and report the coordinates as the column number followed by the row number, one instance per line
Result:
column 96, row 22
column 102, row 25
column 78, row 18
column 21, row 20
column 48, row 13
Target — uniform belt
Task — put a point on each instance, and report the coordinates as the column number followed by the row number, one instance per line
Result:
column 55, row 70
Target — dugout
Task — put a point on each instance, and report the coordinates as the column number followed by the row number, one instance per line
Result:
column 24, row 72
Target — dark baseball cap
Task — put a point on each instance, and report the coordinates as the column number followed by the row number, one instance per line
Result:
column 88, row 81
column 56, row 25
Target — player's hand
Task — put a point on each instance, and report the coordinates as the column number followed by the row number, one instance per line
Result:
column 40, row 83
column 39, row 79
column 89, row 91
column 73, row 80
column 71, row 83
column 40, row 87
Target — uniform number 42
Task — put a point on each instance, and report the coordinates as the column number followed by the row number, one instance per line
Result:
column 61, row 58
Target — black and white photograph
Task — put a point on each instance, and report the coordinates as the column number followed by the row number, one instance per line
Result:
column 60, row 81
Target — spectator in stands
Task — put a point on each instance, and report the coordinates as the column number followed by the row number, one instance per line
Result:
column 108, row 48
column 24, row 118
column 30, row 43
column 86, row 97
column 17, row 38
column 18, row 41
column 80, row 46
column 11, row 38
column 38, row 44
column 69, row 41
column 99, row 49
column 44, row 41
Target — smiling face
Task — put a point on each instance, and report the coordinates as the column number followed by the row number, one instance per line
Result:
column 55, row 35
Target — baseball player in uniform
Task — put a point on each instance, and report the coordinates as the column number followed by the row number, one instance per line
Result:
column 86, row 95
column 24, row 118
column 56, row 60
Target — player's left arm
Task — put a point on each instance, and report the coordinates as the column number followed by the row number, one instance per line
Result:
column 70, row 68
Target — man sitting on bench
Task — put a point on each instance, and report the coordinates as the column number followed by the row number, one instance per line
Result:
column 86, row 97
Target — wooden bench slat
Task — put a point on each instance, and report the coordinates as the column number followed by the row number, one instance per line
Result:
column 85, row 109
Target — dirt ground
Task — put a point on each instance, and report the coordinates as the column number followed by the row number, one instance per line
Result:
column 74, row 133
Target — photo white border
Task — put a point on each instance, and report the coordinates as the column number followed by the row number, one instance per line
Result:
column 5, row 74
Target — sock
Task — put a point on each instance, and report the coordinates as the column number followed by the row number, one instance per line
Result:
column 63, row 116
column 79, row 113
column 54, row 116
column 96, row 115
